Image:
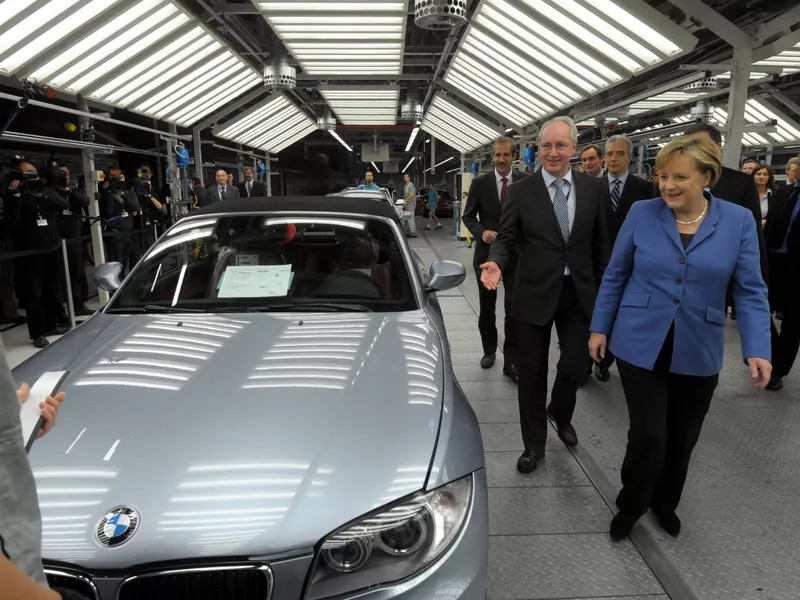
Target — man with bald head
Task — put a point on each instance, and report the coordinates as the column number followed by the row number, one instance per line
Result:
column 219, row 192
column 556, row 221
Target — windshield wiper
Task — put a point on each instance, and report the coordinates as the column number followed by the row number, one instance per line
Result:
column 311, row 306
column 155, row 308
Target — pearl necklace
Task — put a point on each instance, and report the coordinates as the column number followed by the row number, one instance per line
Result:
column 692, row 222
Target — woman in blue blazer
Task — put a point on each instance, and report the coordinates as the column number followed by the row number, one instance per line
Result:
column 662, row 306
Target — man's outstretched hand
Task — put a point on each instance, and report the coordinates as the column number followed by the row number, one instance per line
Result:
column 490, row 277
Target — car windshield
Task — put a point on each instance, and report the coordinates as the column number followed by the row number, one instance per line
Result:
column 272, row 263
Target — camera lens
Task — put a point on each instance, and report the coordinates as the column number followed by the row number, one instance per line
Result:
column 349, row 556
column 405, row 539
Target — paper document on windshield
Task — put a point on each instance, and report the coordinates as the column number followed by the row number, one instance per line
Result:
column 256, row 281
column 30, row 414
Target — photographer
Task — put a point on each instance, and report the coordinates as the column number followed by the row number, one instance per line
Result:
column 31, row 216
column 9, row 311
column 70, row 227
column 153, row 212
column 117, row 207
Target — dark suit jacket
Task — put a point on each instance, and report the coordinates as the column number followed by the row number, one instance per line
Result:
column 529, row 222
column 209, row 195
column 258, row 190
column 635, row 189
column 482, row 212
column 778, row 221
column 740, row 188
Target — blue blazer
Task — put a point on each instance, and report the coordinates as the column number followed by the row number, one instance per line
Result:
column 651, row 282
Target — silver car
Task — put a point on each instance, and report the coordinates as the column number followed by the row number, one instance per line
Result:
column 266, row 408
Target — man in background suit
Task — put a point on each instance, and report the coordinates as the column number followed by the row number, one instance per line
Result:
column 487, row 195
column 782, row 234
column 738, row 188
column 218, row 192
column 250, row 188
column 556, row 220
column 624, row 189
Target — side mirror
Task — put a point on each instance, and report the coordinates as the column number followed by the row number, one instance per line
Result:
column 405, row 215
column 108, row 276
column 445, row 275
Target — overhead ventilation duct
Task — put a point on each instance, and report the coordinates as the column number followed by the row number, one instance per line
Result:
column 411, row 110
column 702, row 110
column 278, row 75
column 618, row 113
column 327, row 122
column 440, row 14
column 707, row 84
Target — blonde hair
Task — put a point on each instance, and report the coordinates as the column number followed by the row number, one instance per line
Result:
column 701, row 148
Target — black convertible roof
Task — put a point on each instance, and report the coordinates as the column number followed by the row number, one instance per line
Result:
column 336, row 204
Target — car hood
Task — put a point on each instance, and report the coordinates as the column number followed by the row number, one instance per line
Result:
column 243, row 435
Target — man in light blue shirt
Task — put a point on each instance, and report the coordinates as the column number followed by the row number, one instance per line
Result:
column 368, row 184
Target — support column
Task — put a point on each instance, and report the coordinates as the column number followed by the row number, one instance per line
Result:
column 737, row 99
column 198, row 155
column 268, row 174
column 240, row 162
column 87, row 161
column 768, row 159
column 433, row 155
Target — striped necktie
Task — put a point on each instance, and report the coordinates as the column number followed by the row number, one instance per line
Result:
column 561, row 206
column 615, row 194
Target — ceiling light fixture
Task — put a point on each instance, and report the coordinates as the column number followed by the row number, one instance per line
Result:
column 409, row 164
column 457, row 126
column 340, row 140
column 374, row 166
column 411, row 139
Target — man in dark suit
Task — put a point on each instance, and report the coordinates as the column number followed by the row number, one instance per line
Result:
column 782, row 234
column 556, row 220
column 738, row 188
column 487, row 195
column 624, row 189
column 218, row 192
column 250, row 188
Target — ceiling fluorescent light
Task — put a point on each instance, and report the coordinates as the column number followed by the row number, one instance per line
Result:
column 332, row 6
column 411, row 138
column 374, row 166
column 409, row 164
column 340, row 140
column 429, row 169
column 453, row 170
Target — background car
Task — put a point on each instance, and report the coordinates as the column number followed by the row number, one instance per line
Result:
column 444, row 208
column 266, row 404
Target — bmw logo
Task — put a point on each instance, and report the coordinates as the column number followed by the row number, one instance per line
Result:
column 117, row 527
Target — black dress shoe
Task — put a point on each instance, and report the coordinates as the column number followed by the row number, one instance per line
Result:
column 621, row 526
column 82, row 310
column 487, row 362
column 512, row 372
column 60, row 330
column 669, row 522
column 602, row 375
column 567, row 434
column 41, row 342
column 529, row 460
column 775, row 384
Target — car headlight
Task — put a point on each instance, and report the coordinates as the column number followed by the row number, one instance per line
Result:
column 391, row 545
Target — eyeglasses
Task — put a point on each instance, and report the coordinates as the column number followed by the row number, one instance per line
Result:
column 561, row 147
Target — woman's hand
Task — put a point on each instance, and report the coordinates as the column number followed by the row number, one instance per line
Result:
column 49, row 407
column 597, row 346
column 760, row 370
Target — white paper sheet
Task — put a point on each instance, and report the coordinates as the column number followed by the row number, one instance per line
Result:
column 257, row 281
column 30, row 413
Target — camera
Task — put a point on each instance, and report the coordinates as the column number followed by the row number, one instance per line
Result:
column 142, row 188
column 32, row 187
column 59, row 179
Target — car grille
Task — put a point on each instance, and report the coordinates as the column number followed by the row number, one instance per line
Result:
column 75, row 583
column 200, row 584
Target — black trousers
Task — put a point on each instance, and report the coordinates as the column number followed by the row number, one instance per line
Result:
column 39, row 292
column 487, row 319
column 666, row 414
column 785, row 296
column 118, row 247
column 572, row 326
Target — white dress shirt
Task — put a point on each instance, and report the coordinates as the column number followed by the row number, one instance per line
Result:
column 499, row 180
column 623, row 178
column 568, row 192
column 765, row 204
